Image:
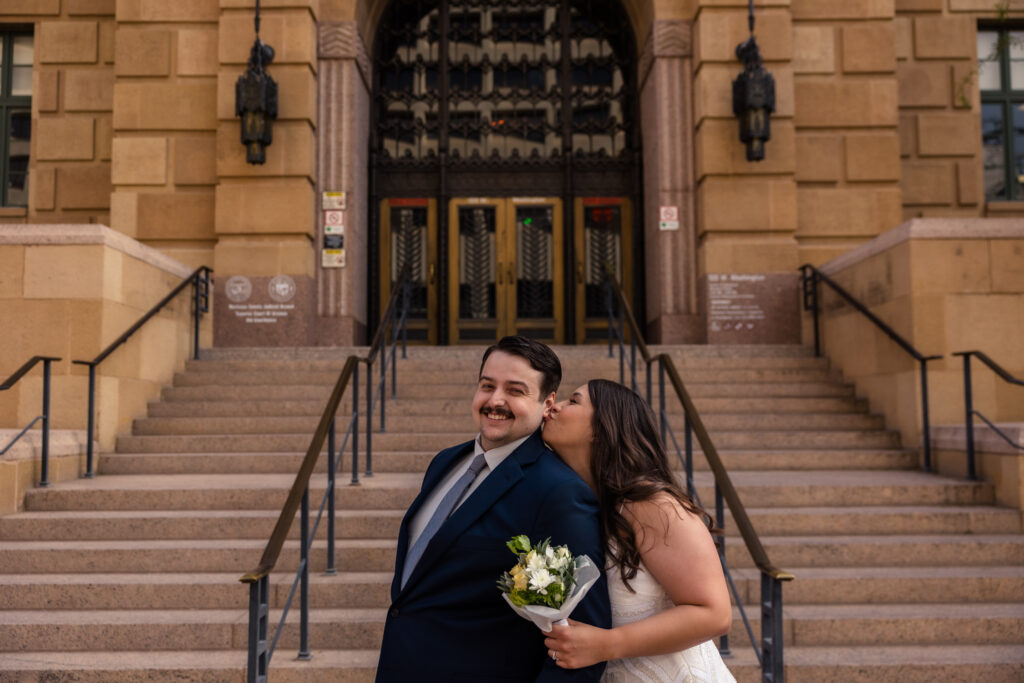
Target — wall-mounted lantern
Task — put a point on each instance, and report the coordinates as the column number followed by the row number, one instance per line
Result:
column 753, row 96
column 256, row 99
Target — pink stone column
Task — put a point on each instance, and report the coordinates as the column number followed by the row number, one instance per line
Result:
column 666, row 101
column 342, row 162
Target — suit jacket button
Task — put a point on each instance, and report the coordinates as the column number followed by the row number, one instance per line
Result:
column 394, row 612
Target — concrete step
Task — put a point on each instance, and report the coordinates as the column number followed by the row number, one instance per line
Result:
column 333, row 628
column 467, row 376
column 222, row 555
column 881, row 664
column 367, row 524
column 65, row 525
column 463, row 421
column 399, row 461
column 464, row 392
column 435, row 441
column 396, row 491
column 183, row 591
column 402, row 406
column 896, row 550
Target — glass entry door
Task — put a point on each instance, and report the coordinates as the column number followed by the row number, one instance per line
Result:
column 409, row 236
column 505, row 269
column 603, row 234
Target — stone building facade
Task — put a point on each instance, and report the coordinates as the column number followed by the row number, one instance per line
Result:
column 878, row 119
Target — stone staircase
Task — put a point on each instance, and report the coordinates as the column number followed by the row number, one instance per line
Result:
column 132, row 576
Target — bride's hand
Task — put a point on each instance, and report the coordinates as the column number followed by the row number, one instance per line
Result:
column 577, row 645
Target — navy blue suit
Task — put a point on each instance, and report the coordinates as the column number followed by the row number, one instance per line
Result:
column 450, row 622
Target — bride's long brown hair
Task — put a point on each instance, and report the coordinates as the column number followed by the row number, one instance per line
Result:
column 628, row 464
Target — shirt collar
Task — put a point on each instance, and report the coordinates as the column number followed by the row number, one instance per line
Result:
column 495, row 456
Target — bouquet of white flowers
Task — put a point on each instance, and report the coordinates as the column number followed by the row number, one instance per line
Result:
column 547, row 583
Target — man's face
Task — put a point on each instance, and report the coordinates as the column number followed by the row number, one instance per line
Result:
column 507, row 404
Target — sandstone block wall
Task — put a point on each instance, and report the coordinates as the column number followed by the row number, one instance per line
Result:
column 164, row 152
column 73, row 289
column 944, row 285
column 72, row 105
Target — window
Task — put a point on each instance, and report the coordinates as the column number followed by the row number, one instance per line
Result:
column 1001, row 81
column 15, row 116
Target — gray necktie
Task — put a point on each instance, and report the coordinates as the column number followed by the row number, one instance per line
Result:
column 443, row 511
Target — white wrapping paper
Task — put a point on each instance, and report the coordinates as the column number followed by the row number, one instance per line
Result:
column 543, row 616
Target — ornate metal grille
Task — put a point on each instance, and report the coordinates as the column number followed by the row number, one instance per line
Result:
column 409, row 245
column 502, row 81
column 477, row 250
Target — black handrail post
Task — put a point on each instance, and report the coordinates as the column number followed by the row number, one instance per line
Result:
column 969, row 416
column 611, row 312
column 810, row 283
column 383, row 387
column 688, row 445
column 723, row 641
column 355, row 419
column 406, row 289
column 90, row 428
column 661, row 400
column 369, row 413
column 44, row 466
column 771, row 629
column 258, row 658
column 331, row 569
column 304, row 653
column 632, row 361
column 926, row 425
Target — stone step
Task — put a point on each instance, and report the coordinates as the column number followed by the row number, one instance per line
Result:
column 383, row 524
column 464, row 392
column 189, row 590
column 392, row 461
column 881, row 664
column 417, row 362
column 203, row 629
column 377, row 555
column 474, row 352
column 397, row 490
column 435, row 441
column 463, row 421
column 402, row 406
column 468, row 375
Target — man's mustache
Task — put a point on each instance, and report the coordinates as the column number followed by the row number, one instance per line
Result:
column 503, row 412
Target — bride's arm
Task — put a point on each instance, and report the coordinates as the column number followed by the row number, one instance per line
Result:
column 679, row 553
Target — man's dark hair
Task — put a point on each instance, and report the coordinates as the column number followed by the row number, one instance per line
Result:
column 539, row 355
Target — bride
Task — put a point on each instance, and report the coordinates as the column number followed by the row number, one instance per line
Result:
column 668, row 594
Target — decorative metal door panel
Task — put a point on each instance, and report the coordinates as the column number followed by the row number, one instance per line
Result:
column 505, row 274
column 603, row 235
column 409, row 236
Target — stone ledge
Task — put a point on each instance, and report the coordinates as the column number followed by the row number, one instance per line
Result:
column 62, row 442
column 953, row 438
column 929, row 229
column 70, row 234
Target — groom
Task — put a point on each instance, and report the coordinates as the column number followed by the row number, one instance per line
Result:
column 447, row 620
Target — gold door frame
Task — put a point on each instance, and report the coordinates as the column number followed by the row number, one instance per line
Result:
column 583, row 323
column 431, row 322
column 505, row 269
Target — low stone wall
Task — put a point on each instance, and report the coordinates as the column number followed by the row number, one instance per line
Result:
column 69, row 291
column 944, row 285
column 21, row 467
column 995, row 461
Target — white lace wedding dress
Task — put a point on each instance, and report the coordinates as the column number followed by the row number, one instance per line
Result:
column 698, row 664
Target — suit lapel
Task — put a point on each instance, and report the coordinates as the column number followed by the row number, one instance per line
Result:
column 445, row 461
column 507, row 474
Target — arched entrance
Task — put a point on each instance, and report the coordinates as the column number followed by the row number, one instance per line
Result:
column 504, row 165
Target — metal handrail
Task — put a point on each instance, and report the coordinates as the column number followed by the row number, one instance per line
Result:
column 970, row 412
column 200, row 281
column 810, row 277
column 770, row 652
column 260, row 651
column 44, row 466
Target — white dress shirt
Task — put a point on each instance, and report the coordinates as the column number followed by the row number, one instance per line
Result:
column 493, row 457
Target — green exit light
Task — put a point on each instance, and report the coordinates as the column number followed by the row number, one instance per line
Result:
column 527, row 221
